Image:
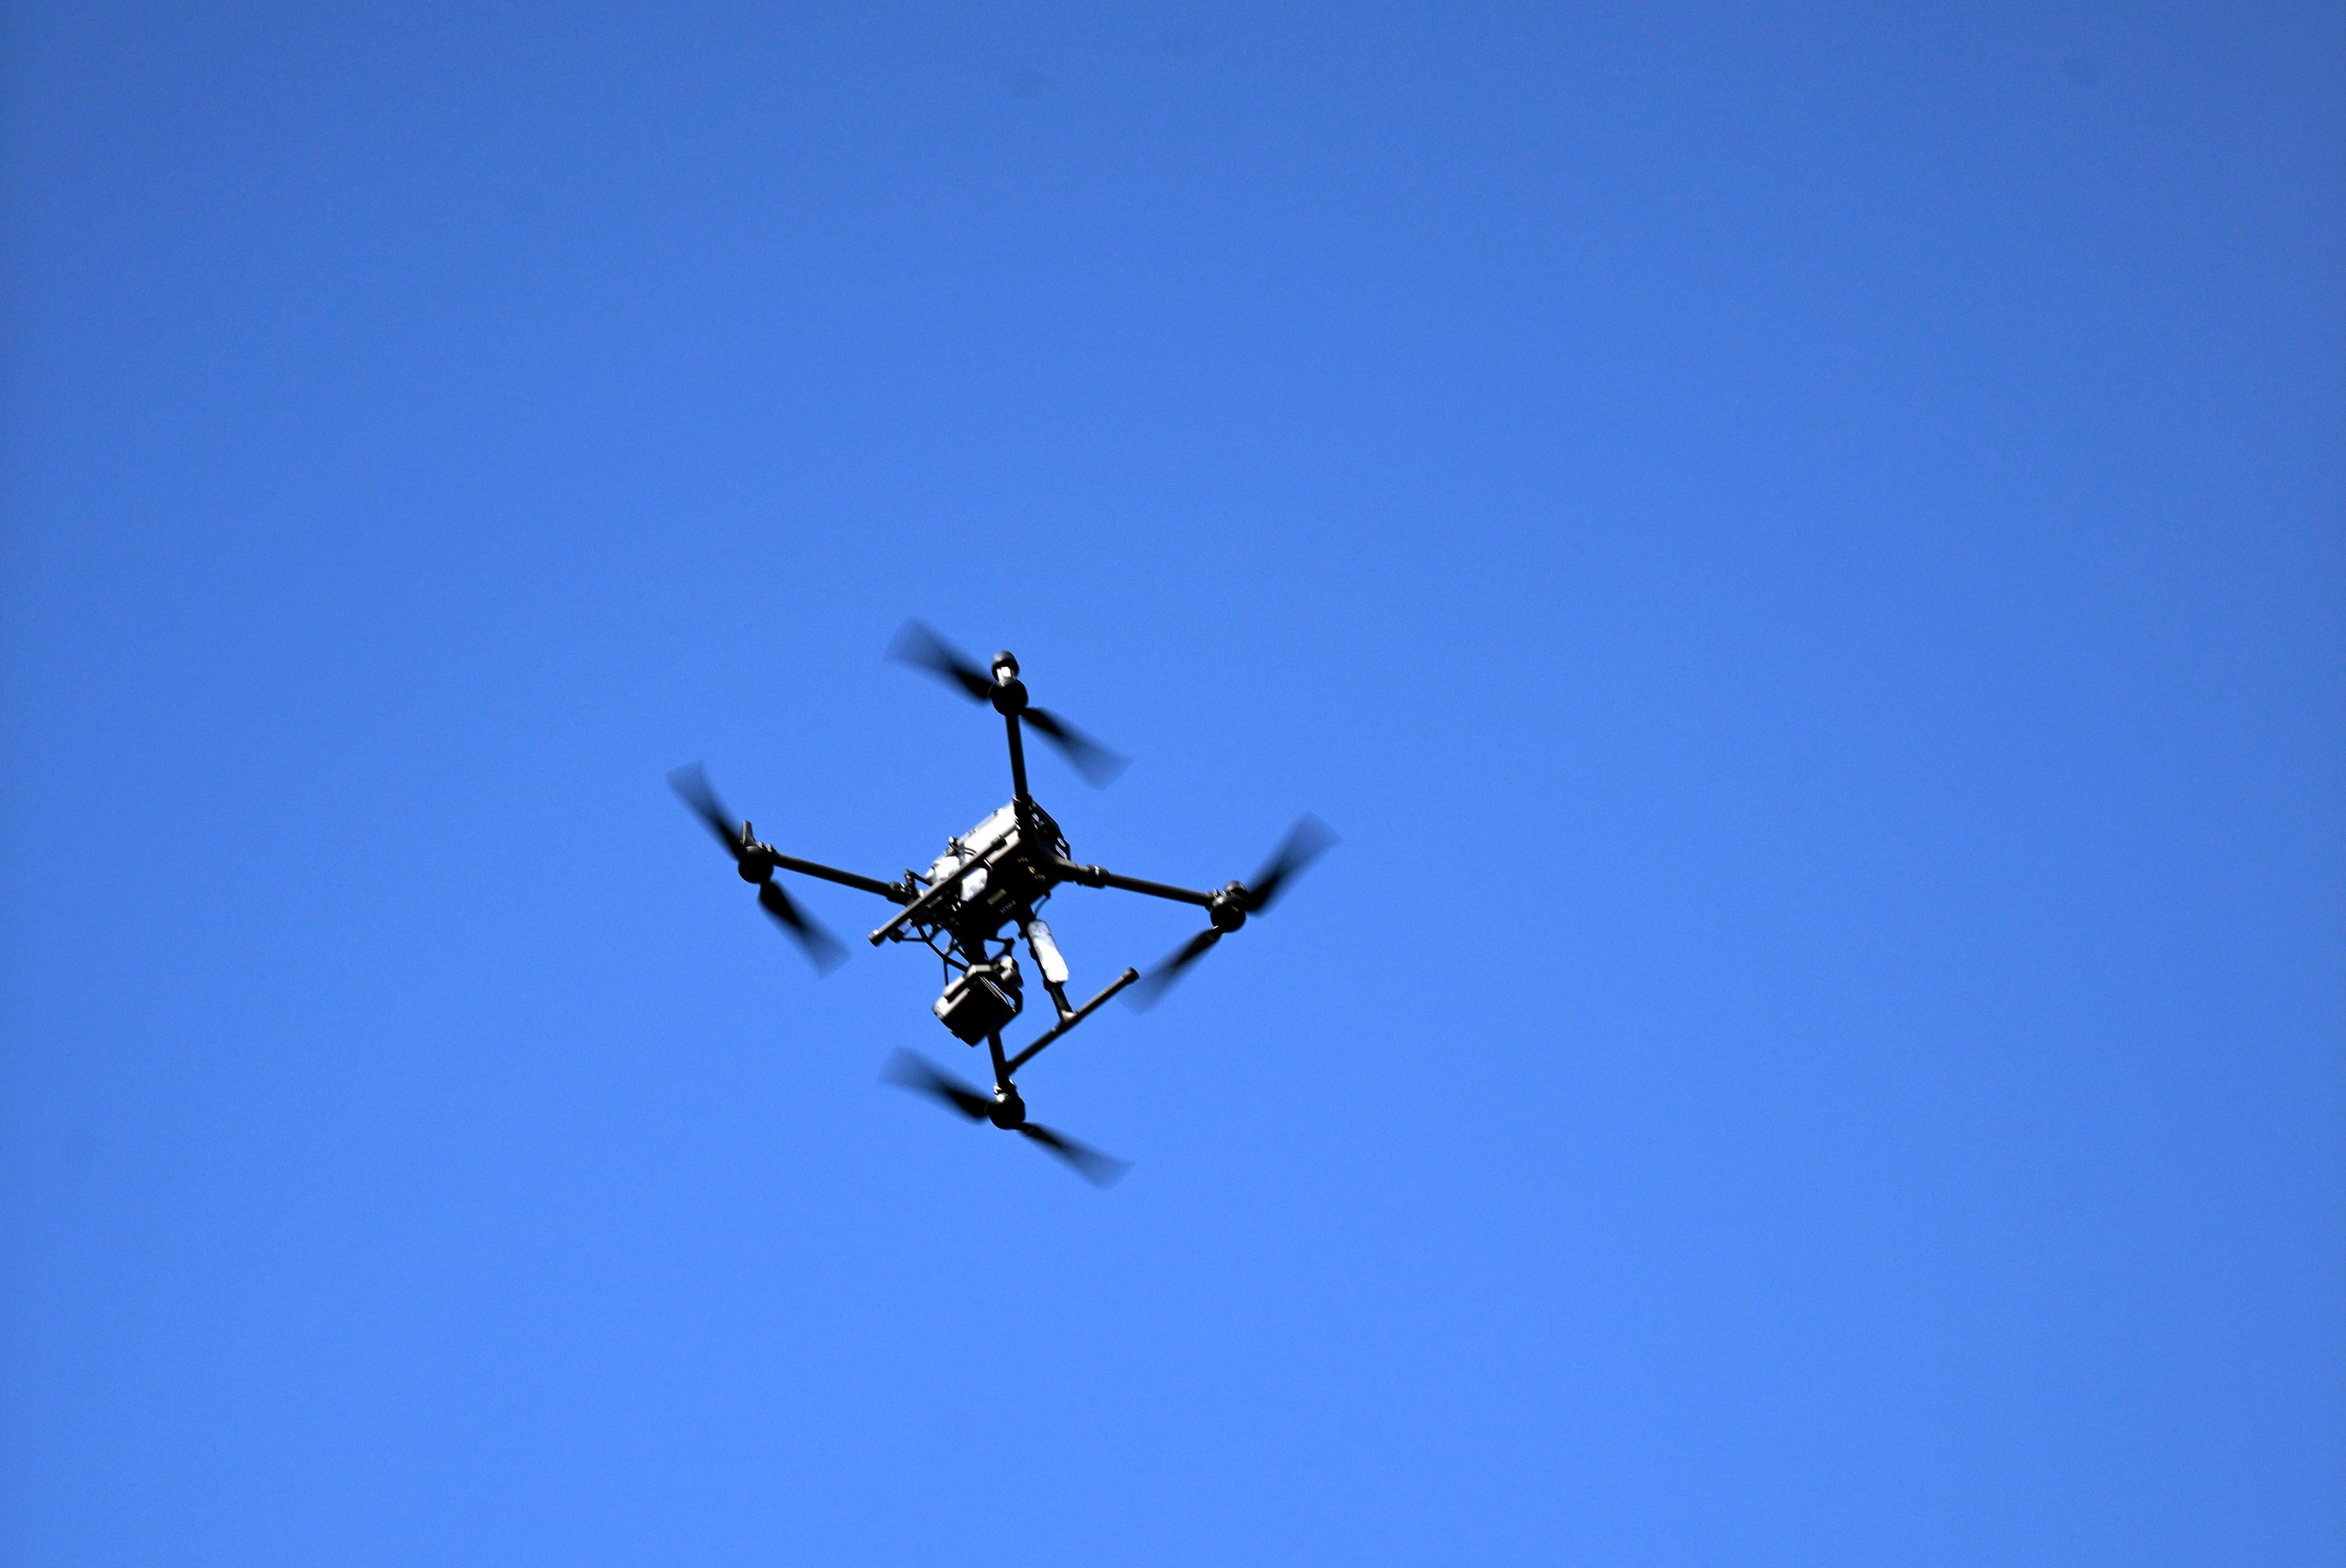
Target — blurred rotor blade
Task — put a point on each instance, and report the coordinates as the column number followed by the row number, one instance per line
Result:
column 822, row 949
column 1306, row 842
column 1099, row 1169
column 907, row 1071
column 1095, row 762
column 691, row 785
column 1153, row 985
column 916, row 644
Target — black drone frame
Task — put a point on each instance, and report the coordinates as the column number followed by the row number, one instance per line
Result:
column 987, row 890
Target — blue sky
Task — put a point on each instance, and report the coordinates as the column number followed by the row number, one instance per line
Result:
column 1799, row 547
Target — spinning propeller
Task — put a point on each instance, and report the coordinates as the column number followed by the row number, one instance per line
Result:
column 1305, row 842
column 907, row 1071
column 755, row 861
column 916, row 644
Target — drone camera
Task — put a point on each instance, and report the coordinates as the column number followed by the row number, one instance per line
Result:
column 980, row 1000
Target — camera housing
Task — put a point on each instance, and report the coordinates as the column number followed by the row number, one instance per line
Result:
column 981, row 1000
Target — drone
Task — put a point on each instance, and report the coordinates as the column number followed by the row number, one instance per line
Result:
column 986, row 893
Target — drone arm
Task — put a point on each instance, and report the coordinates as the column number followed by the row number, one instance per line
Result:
column 935, row 893
column 893, row 892
column 1017, row 756
column 1100, row 876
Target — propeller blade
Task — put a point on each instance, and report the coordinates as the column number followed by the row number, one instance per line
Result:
column 691, row 785
column 916, row 644
column 822, row 949
column 1095, row 762
column 907, row 1071
column 1306, row 842
column 1099, row 1169
column 1151, row 987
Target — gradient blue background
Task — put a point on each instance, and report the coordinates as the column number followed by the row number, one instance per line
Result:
column 1804, row 548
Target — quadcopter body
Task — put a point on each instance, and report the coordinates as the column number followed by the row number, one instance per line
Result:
column 983, row 898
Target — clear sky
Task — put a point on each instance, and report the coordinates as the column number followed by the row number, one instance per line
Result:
column 1802, row 549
